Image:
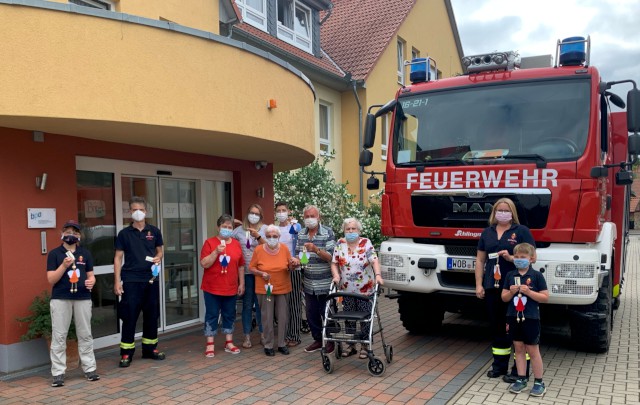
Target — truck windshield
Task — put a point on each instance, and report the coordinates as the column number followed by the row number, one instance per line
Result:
column 489, row 124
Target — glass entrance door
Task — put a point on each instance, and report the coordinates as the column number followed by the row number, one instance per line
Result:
column 179, row 229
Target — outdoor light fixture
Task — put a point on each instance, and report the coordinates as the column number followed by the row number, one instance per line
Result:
column 41, row 181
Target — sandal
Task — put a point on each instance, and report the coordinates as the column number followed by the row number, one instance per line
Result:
column 209, row 353
column 229, row 347
column 363, row 352
column 247, row 342
column 351, row 350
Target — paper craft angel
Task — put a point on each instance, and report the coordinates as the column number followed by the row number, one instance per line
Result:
column 496, row 275
column 520, row 302
column 155, row 270
column 224, row 261
column 74, row 276
column 269, row 288
column 304, row 258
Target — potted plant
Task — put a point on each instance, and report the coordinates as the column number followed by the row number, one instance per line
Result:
column 39, row 325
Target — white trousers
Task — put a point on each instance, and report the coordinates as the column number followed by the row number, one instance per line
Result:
column 61, row 312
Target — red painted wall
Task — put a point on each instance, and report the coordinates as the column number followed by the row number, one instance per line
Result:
column 22, row 266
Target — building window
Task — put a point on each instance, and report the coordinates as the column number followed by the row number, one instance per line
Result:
column 401, row 46
column 254, row 12
column 294, row 24
column 384, row 134
column 325, row 129
column 104, row 5
column 414, row 53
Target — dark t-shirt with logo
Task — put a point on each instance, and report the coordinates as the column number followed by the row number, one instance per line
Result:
column 137, row 245
column 84, row 263
column 489, row 243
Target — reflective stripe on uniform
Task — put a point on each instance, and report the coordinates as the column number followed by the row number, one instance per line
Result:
column 125, row 346
column 146, row 341
column 498, row 351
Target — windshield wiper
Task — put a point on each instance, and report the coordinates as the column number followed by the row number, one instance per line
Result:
column 541, row 162
column 434, row 161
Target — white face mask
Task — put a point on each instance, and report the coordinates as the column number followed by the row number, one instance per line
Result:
column 253, row 218
column 282, row 216
column 272, row 242
column 311, row 223
column 138, row 215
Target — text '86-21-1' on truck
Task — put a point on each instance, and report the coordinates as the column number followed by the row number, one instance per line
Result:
column 546, row 138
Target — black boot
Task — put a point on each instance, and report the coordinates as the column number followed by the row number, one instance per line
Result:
column 513, row 376
column 499, row 367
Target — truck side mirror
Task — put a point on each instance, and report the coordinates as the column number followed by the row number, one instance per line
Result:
column 369, row 137
column 599, row 171
column 634, row 144
column 624, row 178
column 366, row 157
column 633, row 110
column 373, row 183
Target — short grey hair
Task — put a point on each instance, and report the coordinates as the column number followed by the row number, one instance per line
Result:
column 350, row 220
column 311, row 207
column 272, row 228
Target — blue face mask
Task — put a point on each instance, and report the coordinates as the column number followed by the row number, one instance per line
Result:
column 351, row 236
column 225, row 233
column 521, row 263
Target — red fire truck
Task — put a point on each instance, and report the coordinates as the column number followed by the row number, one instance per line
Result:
column 544, row 137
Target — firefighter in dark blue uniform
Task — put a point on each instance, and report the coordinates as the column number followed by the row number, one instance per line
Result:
column 135, row 281
column 494, row 261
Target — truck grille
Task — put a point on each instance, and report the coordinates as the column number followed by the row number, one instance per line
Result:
column 393, row 275
column 457, row 209
column 457, row 279
column 461, row 250
column 568, row 289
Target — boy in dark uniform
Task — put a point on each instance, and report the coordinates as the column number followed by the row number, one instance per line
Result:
column 523, row 290
column 70, row 272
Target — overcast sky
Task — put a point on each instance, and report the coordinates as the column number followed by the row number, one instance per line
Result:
column 533, row 28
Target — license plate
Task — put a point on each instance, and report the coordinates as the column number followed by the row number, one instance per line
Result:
column 461, row 263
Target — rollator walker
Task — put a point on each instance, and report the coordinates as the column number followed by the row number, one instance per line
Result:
column 347, row 327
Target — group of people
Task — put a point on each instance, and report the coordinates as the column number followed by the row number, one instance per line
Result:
column 272, row 267
column 512, row 290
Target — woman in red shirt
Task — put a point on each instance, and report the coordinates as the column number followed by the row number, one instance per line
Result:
column 222, row 282
column 270, row 264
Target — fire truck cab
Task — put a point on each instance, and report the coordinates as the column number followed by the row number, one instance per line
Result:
column 546, row 138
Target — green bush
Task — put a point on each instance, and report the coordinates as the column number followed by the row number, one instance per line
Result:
column 315, row 185
column 40, row 319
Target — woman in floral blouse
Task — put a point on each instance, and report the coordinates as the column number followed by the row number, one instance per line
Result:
column 355, row 269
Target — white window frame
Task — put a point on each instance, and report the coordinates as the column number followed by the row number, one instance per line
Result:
column 252, row 16
column 290, row 36
column 101, row 4
column 414, row 53
column 400, row 62
column 322, row 141
column 384, row 134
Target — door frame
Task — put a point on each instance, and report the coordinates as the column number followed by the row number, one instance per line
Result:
column 121, row 168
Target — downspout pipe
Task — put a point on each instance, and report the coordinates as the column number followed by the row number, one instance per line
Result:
column 354, row 84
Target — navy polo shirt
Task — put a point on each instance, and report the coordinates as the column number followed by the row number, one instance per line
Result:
column 536, row 283
column 137, row 245
column 489, row 243
column 84, row 263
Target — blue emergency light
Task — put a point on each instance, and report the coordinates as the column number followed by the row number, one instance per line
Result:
column 418, row 70
column 572, row 51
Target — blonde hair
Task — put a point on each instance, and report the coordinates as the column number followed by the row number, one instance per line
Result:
column 512, row 207
column 246, row 224
column 525, row 248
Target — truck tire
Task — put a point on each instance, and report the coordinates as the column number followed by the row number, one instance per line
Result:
column 420, row 313
column 591, row 324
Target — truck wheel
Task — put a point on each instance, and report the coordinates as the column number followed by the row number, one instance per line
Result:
column 420, row 313
column 591, row 324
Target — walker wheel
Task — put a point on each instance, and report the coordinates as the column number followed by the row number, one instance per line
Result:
column 327, row 363
column 388, row 353
column 305, row 327
column 376, row 367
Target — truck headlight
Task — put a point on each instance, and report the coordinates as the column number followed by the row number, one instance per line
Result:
column 391, row 260
column 576, row 270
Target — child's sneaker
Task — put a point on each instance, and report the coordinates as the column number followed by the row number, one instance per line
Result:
column 538, row 389
column 518, row 386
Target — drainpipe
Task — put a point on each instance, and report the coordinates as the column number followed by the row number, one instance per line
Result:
column 328, row 14
column 355, row 93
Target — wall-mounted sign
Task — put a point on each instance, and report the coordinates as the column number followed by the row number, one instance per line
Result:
column 94, row 209
column 41, row 217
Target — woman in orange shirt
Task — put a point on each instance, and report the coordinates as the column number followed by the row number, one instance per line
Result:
column 271, row 263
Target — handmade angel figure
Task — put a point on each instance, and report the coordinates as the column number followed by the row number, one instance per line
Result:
column 304, row 258
column 155, row 270
column 496, row 275
column 269, row 288
column 519, row 302
column 74, row 276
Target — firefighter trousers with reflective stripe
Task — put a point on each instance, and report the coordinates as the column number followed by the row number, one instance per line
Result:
column 500, row 339
column 137, row 297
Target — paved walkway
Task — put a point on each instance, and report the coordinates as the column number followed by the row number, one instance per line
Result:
column 449, row 368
